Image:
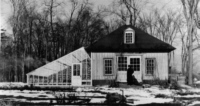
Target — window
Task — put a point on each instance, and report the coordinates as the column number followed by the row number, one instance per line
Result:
column 69, row 71
column 86, row 83
column 31, row 79
column 108, row 66
column 54, row 78
column 50, row 79
column 135, row 62
column 45, row 80
column 122, row 63
column 60, row 77
column 40, row 79
column 64, row 75
column 86, row 74
column 76, row 70
column 36, row 79
column 129, row 36
column 150, row 66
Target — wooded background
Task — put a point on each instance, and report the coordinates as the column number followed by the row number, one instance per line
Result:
column 41, row 35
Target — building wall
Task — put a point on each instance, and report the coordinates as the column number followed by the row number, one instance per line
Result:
column 161, row 68
column 97, row 66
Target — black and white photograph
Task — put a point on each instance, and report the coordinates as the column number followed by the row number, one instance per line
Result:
column 100, row 53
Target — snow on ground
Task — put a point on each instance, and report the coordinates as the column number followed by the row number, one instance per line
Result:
column 188, row 96
column 156, row 90
column 26, row 93
column 87, row 94
column 133, row 95
column 141, row 100
column 197, row 82
column 12, row 84
column 195, row 90
column 143, row 95
column 195, row 103
column 185, row 86
column 97, row 100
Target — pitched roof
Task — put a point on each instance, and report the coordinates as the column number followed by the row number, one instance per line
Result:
column 61, row 63
column 114, row 42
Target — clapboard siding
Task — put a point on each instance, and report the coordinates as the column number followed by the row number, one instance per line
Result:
column 97, row 66
column 161, row 66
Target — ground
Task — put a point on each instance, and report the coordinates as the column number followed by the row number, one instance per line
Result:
column 187, row 96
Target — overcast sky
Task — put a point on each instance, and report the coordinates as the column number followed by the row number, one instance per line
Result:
column 6, row 10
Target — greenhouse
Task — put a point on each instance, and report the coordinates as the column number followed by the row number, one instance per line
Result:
column 72, row 69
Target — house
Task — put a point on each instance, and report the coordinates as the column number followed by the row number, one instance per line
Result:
column 107, row 59
column 128, row 45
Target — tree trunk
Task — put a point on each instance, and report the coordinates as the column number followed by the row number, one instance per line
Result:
column 190, row 58
column 23, row 71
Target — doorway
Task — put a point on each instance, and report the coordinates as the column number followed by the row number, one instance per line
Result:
column 76, row 74
column 123, row 63
column 135, row 62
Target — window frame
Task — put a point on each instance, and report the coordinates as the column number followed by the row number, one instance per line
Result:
column 123, row 63
column 154, row 66
column 129, row 30
column 135, row 65
column 112, row 67
column 75, row 72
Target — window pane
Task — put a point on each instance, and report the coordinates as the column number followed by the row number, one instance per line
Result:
column 128, row 37
column 150, row 66
column 108, row 66
column 76, row 71
column 122, row 63
column 135, row 62
column 54, row 78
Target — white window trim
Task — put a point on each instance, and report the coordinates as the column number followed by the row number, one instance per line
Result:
column 129, row 30
column 112, row 71
column 138, row 64
column 118, row 62
column 155, row 66
column 73, row 69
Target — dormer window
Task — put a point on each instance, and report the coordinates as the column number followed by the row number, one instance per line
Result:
column 129, row 36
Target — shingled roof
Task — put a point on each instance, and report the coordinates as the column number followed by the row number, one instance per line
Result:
column 114, row 42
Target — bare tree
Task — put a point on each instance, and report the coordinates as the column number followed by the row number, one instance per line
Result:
column 22, row 21
column 163, row 26
column 127, row 9
column 45, row 35
column 190, row 13
column 17, row 20
column 51, row 5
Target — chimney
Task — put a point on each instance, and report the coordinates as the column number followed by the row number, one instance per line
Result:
column 127, row 21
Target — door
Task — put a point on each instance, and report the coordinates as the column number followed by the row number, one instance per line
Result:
column 123, row 63
column 76, row 74
column 135, row 62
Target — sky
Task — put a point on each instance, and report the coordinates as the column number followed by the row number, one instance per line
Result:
column 6, row 10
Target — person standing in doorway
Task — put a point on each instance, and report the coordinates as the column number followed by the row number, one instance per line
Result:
column 130, row 71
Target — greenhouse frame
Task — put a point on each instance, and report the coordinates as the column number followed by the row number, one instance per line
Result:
column 73, row 69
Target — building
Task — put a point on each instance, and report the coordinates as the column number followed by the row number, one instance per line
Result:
column 111, row 55
column 5, row 39
column 108, row 58
column 71, row 69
